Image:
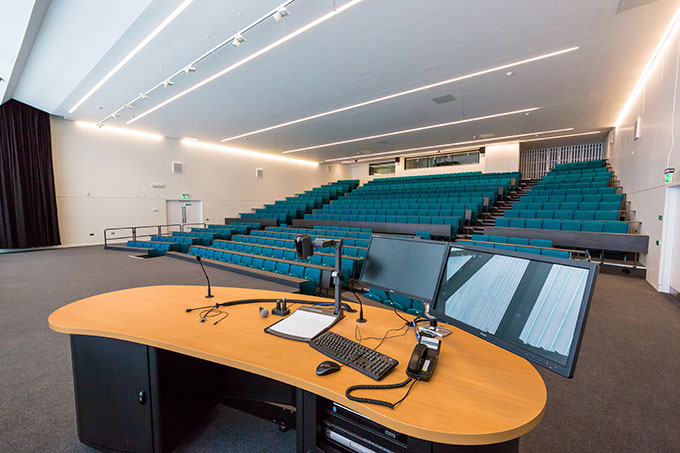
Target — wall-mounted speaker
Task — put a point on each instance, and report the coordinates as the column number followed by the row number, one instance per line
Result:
column 259, row 173
column 636, row 130
column 177, row 168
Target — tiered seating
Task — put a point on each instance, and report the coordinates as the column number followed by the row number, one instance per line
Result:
column 411, row 306
column 184, row 242
column 311, row 273
column 572, row 197
column 155, row 248
column 292, row 232
column 447, row 199
column 534, row 246
column 204, row 238
column 296, row 206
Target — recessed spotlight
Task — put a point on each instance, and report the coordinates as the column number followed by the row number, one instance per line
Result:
column 238, row 39
column 509, row 73
column 527, row 114
column 280, row 13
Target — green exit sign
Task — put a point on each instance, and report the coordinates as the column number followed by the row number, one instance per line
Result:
column 669, row 177
column 185, row 196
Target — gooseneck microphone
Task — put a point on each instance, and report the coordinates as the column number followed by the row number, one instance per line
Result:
column 209, row 296
column 361, row 318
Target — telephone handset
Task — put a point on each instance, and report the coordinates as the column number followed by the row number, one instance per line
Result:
column 424, row 359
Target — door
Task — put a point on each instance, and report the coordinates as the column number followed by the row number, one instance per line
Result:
column 184, row 211
column 354, row 172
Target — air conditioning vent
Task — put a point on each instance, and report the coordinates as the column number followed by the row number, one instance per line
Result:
column 178, row 168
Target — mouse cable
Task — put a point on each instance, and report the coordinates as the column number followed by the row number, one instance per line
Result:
column 380, row 387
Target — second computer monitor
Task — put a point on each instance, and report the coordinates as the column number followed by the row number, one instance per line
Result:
column 409, row 267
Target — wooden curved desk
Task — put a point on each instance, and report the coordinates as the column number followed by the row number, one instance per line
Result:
column 479, row 394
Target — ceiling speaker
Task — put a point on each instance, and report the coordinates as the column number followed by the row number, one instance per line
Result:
column 178, row 168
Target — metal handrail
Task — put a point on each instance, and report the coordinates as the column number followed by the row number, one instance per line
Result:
column 135, row 235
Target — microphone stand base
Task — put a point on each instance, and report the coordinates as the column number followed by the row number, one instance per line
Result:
column 361, row 320
column 209, row 296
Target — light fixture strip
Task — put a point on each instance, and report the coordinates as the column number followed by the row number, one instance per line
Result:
column 468, row 142
column 467, row 148
column 670, row 29
column 119, row 130
column 229, row 149
column 417, row 129
column 404, row 93
column 251, row 57
column 134, row 52
column 164, row 82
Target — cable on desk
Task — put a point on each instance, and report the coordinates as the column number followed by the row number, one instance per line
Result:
column 359, row 338
column 380, row 387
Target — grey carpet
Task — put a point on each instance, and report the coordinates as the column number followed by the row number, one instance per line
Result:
column 624, row 396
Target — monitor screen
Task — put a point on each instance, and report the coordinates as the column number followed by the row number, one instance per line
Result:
column 409, row 267
column 534, row 306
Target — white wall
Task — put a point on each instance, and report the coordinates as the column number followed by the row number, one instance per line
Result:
column 104, row 179
column 497, row 158
column 640, row 164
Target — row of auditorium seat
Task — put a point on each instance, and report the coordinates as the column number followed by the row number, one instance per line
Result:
column 403, row 303
column 580, row 165
column 570, row 185
column 457, row 212
column 423, row 203
column 562, row 214
column 519, row 248
column 273, row 234
column 334, row 231
column 311, row 274
column 184, row 243
column 155, row 248
column 455, row 222
column 349, row 267
column 352, row 251
column 568, row 205
column 572, row 191
column 341, row 228
column 565, row 225
column 534, row 246
column 205, row 238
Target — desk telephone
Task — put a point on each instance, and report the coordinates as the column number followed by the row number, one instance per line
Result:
column 423, row 360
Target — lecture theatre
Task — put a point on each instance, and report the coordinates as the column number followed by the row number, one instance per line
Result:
column 340, row 226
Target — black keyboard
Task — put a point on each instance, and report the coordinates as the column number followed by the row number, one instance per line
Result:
column 354, row 355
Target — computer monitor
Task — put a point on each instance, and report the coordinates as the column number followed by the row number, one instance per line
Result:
column 406, row 266
column 532, row 305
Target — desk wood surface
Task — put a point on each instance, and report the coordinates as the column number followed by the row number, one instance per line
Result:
column 479, row 393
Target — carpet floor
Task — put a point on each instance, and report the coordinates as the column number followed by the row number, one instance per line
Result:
column 625, row 395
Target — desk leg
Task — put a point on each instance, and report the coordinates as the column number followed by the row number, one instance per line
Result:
column 306, row 421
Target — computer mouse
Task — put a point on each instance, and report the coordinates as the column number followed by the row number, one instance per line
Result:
column 327, row 367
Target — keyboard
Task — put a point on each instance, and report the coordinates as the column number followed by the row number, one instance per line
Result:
column 354, row 355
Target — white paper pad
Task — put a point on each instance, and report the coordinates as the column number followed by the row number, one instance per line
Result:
column 303, row 324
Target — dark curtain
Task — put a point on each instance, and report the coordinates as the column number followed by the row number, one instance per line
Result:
column 28, row 206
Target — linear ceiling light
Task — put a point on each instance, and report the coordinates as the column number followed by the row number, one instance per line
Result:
column 467, row 148
column 468, row 142
column 134, row 52
column 247, row 152
column 252, row 56
column 403, row 93
column 408, row 131
column 660, row 47
column 119, row 130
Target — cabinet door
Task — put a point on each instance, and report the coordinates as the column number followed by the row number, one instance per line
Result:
column 113, row 407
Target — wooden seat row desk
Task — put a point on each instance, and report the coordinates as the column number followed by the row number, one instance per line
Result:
column 146, row 371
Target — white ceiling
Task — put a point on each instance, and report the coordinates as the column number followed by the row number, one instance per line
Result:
column 375, row 48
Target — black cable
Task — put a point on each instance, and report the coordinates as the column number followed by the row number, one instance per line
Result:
column 380, row 387
column 359, row 338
